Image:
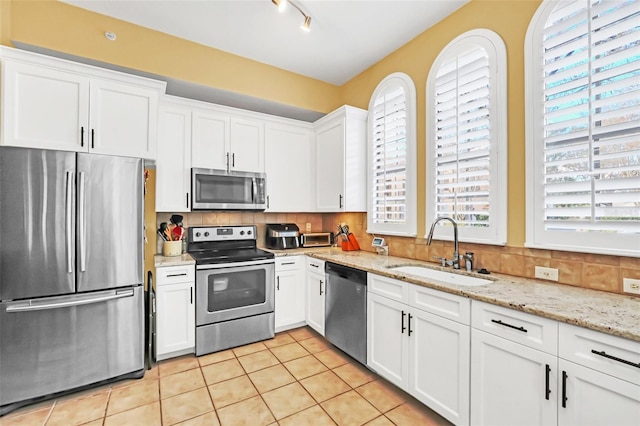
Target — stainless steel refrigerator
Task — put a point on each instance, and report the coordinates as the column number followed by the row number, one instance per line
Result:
column 71, row 272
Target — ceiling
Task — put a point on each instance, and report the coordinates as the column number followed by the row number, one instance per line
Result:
column 346, row 37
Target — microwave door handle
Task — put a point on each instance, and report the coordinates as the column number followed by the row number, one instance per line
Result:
column 254, row 190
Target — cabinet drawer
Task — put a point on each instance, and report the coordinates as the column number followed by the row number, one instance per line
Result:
column 176, row 274
column 530, row 330
column 609, row 354
column 287, row 263
column 446, row 305
column 315, row 265
column 388, row 287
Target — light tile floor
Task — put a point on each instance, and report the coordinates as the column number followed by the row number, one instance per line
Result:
column 295, row 379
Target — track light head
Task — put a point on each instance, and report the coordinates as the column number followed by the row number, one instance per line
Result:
column 281, row 4
column 307, row 23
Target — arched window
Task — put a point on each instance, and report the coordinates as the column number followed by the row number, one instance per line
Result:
column 392, row 157
column 467, row 138
column 583, row 126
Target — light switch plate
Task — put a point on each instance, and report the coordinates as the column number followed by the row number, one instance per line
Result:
column 550, row 274
column 630, row 285
column 308, row 228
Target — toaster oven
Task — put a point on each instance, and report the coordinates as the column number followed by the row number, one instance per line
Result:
column 316, row 239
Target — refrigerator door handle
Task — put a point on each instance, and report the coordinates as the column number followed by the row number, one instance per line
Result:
column 67, row 302
column 82, row 222
column 68, row 221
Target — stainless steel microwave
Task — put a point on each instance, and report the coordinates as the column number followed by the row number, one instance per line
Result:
column 221, row 190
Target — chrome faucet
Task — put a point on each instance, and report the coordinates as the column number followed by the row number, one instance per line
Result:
column 455, row 262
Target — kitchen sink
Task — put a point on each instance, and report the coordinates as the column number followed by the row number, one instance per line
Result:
column 442, row 276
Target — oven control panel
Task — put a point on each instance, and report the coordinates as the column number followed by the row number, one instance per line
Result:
column 199, row 234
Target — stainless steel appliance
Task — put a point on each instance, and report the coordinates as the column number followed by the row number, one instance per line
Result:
column 346, row 310
column 316, row 239
column 235, row 281
column 282, row 236
column 221, row 190
column 71, row 295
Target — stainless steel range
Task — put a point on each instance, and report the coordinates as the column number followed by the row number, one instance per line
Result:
column 235, row 295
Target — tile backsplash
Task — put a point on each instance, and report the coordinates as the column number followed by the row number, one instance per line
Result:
column 599, row 272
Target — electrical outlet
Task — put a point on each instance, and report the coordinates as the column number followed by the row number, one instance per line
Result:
column 550, row 274
column 629, row 285
column 308, row 227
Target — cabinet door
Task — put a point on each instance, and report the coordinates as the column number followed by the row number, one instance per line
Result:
column 174, row 159
column 316, row 287
column 247, row 145
column 439, row 351
column 330, row 167
column 209, row 140
column 387, row 341
column 44, row 108
column 509, row 383
column 595, row 398
column 290, row 299
column 175, row 318
column 123, row 119
column 289, row 168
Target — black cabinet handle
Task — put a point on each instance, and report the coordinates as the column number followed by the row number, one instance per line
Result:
column 564, row 389
column 287, row 263
column 184, row 274
column 403, row 327
column 524, row 330
column 92, row 138
column 615, row 358
column 320, row 287
column 410, row 330
column 82, row 136
column 227, row 161
column 191, row 294
column 546, row 382
column 314, row 265
column 187, row 200
column 340, row 200
column 278, row 284
column 267, row 201
column 233, row 159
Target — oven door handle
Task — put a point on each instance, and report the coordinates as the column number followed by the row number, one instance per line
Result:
column 236, row 264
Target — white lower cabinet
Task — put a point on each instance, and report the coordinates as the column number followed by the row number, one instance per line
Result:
column 290, row 292
column 316, row 288
column 509, row 383
column 599, row 378
column 529, row 370
column 424, row 353
column 175, row 311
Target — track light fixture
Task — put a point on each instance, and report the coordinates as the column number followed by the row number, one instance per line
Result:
column 282, row 4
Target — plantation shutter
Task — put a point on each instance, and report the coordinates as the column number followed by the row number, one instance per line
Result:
column 389, row 157
column 591, row 60
column 463, row 138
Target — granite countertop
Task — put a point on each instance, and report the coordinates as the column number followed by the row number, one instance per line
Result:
column 610, row 313
column 164, row 261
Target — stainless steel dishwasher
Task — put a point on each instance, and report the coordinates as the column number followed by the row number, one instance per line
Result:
column 346, row 310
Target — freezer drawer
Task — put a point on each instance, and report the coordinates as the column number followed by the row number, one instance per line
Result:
column 54, row 344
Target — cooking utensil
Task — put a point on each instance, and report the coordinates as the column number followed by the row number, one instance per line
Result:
column 176, row 233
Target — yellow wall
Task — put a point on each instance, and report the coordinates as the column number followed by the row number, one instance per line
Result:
column 61, row 27
column 509, row 19
column 80, row 32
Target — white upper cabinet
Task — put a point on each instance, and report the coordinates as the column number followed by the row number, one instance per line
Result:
column 341, row 174
column 210, row 144
column 289, row 166
column 44, row 108
column 225, row 140
column 173, row 162
column 246, row 145
column 123, row 119
column 50, row 103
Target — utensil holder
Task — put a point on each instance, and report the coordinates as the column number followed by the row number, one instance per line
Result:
column 172, row 248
